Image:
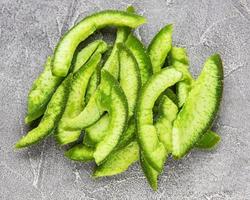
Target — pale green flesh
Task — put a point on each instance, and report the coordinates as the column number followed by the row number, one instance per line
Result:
column 208, row 141
column 167, row 114
column 108, row 97
column 80, row 152
column 159, row 47
column 75, row 103
column 142, row 58
column 112, row 63
column 153, row 150
column 41, row 92
column 96, row 76
column 120, row 160
column 129, row 77
column 94, row 81
column 67, row 45
column 95, row 134
column 200, row 108
column 51, row 116
column 82, row 57
column 178, row 58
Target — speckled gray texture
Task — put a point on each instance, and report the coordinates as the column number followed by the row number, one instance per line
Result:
column 29, row 32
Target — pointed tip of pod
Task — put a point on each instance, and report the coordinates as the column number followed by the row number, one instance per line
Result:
column 19, row 144
column 216, row 58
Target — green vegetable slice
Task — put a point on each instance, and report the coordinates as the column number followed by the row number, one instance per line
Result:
column 167, row 114
column 200, row 108
column 80, row 152
column 153, row 150
column 67, row 45
column 95, row 132
column 96, row 76
column 159, row 47
column 142, row 58
column 109, row 97
column 129, row 78
column 178, row 58
column 208, row 141
column 41, row 92
column 119, row 161
column 51, row 116
column 75, row 103
column 150, row 173
column 82, row 57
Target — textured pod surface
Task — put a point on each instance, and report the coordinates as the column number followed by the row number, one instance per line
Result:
column 29, row 32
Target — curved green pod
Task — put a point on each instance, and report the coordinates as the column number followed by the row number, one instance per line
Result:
column 153, row 150
column 200, row 108
column 142, row 58
column 119, row 162
column 160, row 46
column 76, row 99
column 67, row 45
column 109, row 97
column 41, row 92
column 51, row 116
column 80, row 152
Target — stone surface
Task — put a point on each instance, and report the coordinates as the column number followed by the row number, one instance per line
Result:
column 29, row 32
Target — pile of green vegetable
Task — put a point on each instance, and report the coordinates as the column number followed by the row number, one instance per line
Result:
column 129, row 102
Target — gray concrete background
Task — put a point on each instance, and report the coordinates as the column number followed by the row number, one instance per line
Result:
column 29, row 31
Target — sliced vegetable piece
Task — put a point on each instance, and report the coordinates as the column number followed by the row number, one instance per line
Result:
column 120, row 160
column 129, row 76
column 200, row 108
column 160, row 46
column 75, row 103
column 94, row 81
column 142, row 58
column 51, row 116
column 95, row 132
column 41, row 92
column 153, row 150
column 208, row 141
column 108, row 97
column 112, row 63
column 80, row 152
column 178, row 58
column 82, row 57
column 150, row 173
column 67, row 45
column 167, row 114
